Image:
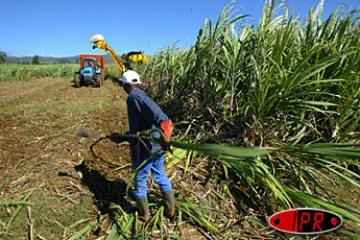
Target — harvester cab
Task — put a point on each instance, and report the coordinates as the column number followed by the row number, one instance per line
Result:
column 92, row 71
column 123, row 62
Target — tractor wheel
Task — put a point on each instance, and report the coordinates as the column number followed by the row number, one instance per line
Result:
column 77, row 80
column 98, row 80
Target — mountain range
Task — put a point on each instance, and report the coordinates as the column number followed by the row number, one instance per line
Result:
column 44, row 59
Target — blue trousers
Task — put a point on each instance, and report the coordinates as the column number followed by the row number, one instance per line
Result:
column 155, row 166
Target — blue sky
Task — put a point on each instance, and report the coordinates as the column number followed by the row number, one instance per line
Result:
column 63, row 27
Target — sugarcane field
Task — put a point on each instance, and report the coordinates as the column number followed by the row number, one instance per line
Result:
column 262, row 141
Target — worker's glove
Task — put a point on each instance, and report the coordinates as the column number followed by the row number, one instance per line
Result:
column 117, row 138
column 167, row 128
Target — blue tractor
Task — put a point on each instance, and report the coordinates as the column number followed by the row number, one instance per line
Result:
column 91, row 71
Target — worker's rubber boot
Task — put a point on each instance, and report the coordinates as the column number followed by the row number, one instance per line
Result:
column 143, row 209
column 168, row 198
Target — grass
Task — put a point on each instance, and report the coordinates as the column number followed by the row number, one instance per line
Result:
column 26, row 72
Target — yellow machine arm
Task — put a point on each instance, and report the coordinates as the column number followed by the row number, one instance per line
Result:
column 124, row 62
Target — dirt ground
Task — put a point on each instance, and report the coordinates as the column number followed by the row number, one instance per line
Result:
column 43, row 163
column 38, row 119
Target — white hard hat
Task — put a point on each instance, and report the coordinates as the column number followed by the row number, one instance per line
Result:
column 130, row 77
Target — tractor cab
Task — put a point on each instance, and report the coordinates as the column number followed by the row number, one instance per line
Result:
column 89, row 62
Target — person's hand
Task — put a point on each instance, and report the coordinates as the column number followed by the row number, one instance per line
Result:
column 116, row 138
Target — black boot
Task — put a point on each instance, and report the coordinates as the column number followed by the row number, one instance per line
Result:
column 143, row 209
column 168, row 198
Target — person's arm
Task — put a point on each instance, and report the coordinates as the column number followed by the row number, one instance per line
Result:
column 153, row 113
column 150, row 111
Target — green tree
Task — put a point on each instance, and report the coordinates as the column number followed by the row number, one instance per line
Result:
column 36, row 60
column 2, row 57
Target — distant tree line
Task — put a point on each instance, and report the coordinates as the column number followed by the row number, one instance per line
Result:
column 45, row 59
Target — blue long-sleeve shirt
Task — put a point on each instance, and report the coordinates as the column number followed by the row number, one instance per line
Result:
column 143, row 114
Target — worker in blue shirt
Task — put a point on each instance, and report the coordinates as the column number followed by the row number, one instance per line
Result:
column 145, row 114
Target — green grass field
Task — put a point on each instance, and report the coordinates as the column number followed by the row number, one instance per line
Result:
column 11, row 72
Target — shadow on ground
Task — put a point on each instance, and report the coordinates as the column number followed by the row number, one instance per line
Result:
column 106, row 193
